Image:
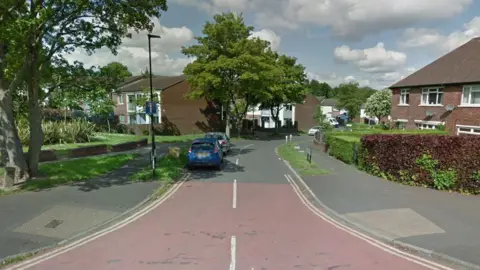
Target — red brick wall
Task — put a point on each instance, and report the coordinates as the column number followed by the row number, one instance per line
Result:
column 452, row 95
column 304, row 112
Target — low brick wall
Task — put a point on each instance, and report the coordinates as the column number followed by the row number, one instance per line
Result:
column 320, row 146
column 129, row 145
column 46, row 155
column 89, row 151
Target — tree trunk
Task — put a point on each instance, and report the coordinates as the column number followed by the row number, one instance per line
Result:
column 10, row 145
column 34, row 113
column 227, row 120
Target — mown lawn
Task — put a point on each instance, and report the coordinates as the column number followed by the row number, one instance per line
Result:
column 299, row 161
column 112, row 139
column 69, row 171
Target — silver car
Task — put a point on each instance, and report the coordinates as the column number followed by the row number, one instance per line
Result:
column 222, row 138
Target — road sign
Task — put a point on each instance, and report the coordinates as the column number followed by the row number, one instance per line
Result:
column 149, row 109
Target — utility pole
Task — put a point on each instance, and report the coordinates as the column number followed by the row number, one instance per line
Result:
column 154, row 153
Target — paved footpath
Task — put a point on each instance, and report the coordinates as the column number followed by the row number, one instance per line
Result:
column 245, row 217
column 438, row 222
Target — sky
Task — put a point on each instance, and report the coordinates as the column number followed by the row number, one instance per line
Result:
column 373, row 42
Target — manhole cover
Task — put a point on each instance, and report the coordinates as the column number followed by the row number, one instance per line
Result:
column 54, row 223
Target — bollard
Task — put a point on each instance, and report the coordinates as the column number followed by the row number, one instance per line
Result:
column 286, row 139
column 290, row 138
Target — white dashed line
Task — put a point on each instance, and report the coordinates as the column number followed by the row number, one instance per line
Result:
column 233, row 248
column 234, row 203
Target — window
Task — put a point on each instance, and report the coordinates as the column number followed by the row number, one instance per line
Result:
column 131, row 103
column 288, row 107
column 471, row 130
column 432, row 96
column 132, row 119
column 471, row 95
column 121, row 118
column 428, row 124
column 120, row 99
column 404, row 97
column 425, row 126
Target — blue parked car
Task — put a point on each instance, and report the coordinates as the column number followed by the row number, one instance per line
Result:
column 205, row 152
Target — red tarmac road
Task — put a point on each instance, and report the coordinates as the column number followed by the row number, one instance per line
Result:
column 193, row 229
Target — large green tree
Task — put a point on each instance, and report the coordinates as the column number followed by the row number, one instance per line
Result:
column 288, row 88
column 321, row 89
column 350, row 98
column 229, row 66
column 379, row 104
column 52, row 28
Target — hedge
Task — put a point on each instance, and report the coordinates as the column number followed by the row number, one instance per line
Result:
column 344, row 148
column 441, row 162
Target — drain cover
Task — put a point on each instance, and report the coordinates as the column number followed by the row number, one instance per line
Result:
column 54, row 223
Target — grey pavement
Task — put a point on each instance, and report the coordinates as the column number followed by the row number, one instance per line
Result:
column 446, row 223
column 33, row 220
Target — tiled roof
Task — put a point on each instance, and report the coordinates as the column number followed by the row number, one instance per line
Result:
column 461, row 65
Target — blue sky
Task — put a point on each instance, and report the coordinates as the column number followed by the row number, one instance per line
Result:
column 375, row 42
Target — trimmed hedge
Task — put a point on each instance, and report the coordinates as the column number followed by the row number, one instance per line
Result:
column 441, row 162
column 344, row 148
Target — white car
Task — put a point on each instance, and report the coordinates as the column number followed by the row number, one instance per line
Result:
column 313, row 130
column 332, row 121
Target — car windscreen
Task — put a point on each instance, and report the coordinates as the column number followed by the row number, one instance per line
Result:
column 216, row 136
column 202, row 146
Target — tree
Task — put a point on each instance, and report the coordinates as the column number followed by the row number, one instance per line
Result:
column 321, row 89
column 350, row 99
column 52, row 28
column 12, row 54
column 289, row 86
column 379, row 104
column 229, row 66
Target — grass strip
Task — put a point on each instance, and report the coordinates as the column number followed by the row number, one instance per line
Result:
column 299, row 161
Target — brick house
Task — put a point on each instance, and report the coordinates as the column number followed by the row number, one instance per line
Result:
column 175, row 113
column 305, row 112
column 445, row 92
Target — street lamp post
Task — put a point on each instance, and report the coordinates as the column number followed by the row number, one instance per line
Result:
column 153, row 154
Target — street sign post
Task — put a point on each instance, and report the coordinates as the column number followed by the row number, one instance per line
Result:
column 149, row 109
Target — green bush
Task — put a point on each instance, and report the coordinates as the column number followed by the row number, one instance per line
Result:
column 344, row 148
column 58, row 132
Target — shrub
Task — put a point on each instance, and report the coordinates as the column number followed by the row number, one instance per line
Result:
column 344, row 148
column 442, row 162
column 75, row 131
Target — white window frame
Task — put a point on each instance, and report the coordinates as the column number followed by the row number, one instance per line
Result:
column 426, row 124
column 470, row 89
column 462, row 129
column 120, row 99
column 121, row 118
column 428, row 91
column 403, row 97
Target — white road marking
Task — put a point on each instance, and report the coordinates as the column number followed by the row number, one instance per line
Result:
column 234, row 204
column 385, row 247
column 49, row 255
column 236, row 162
column 243, row 148
column 233, row 250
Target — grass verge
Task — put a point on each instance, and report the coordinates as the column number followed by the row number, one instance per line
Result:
column 299, row 161
column 69, row 171
column 169, row 169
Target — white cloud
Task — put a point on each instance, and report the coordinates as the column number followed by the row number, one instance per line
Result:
column 270, row 36
column 134, row 52
column 347, row 18
column 423, row 37
column 333, row 79
column 373, row 60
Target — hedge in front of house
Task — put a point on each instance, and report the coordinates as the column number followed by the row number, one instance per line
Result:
column 441, row 162
column 343, row 148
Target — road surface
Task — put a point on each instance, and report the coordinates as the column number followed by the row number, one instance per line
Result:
column 246, row 217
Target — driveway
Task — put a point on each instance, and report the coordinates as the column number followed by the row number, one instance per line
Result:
column 246, row 216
